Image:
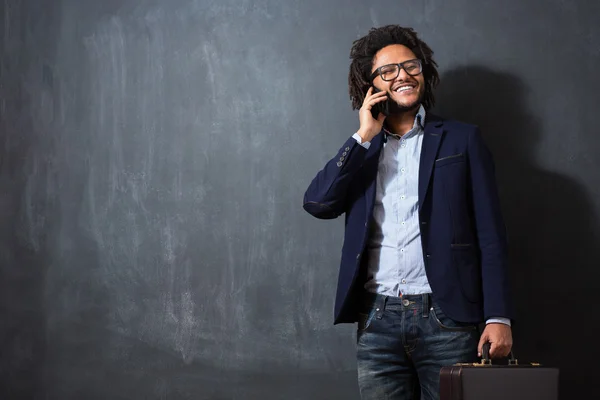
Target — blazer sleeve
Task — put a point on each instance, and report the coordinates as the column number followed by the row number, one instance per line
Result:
column 491, row 230
column 325, row 197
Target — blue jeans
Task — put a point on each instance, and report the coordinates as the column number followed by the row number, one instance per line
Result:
column 403, row 342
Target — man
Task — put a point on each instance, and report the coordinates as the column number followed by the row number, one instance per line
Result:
column 424, row 255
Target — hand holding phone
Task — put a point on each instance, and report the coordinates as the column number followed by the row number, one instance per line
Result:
column 381, row 107
column 372, row 113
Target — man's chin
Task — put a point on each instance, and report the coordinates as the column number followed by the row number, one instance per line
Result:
column 399, row 108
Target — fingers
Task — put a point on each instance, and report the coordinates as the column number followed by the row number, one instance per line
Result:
column 502, row 350
column 369, row 103
column 497, row 349
column 500, row 338
column 367, row 109
column 484, row 338
column 493, row 350
column 370, row 96
column 379, row 95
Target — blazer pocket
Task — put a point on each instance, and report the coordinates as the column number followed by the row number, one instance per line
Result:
column 469, row 274
column 449, row 160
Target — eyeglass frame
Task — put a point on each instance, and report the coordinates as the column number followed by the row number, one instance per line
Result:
column 400, row 67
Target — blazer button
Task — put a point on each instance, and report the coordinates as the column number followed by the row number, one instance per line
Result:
column 358, row 256
column 347, row 149
column 428, row 255
column 339, row 163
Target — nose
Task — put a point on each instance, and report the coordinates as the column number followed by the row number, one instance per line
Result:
column 403, row 75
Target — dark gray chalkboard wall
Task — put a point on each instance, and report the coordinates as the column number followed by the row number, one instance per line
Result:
column 153, row 157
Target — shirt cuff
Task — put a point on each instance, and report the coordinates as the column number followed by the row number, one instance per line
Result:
column 358, row 139
column 504, row 321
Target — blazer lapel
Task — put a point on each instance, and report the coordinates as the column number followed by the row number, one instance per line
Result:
column 431, row 143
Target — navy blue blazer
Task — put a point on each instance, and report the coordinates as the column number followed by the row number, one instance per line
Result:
column 462, row 228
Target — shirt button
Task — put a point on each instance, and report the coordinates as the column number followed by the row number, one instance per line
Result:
column 402, row 250
column 402, row 197
column 403, row 280
column 402, row 145
column 403, row 169
column 404, row 223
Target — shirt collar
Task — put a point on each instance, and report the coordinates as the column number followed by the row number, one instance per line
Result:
column 419, row 123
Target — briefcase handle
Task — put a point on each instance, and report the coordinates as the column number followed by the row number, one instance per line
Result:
column 486, row 356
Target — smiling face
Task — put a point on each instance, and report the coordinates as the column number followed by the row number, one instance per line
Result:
column 406, row 91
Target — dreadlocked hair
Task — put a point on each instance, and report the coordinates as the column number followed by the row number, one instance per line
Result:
column 364, row 49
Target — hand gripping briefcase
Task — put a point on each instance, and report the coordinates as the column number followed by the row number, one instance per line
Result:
column 485, row 381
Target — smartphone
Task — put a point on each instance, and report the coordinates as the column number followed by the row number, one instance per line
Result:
column 381, row 107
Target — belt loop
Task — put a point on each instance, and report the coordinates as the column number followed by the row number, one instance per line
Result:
column 426, row 305
column 381, row 300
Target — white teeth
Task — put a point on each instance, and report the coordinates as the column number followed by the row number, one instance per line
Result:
column 403, row 88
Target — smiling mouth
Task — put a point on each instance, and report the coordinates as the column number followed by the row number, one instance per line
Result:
column 405, row 89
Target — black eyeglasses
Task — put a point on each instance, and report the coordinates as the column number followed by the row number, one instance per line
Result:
column 389, row 72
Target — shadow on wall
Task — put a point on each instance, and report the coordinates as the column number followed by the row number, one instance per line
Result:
column 553, row 231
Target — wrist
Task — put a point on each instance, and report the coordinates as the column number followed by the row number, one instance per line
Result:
column 364, row 136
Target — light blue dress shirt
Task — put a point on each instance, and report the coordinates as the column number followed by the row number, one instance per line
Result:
column 394, row 250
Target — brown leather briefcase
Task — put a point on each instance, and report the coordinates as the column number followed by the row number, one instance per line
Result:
column 485, row 381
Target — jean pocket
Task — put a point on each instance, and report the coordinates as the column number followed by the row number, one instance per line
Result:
column 365, row 319
column 448, row 324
